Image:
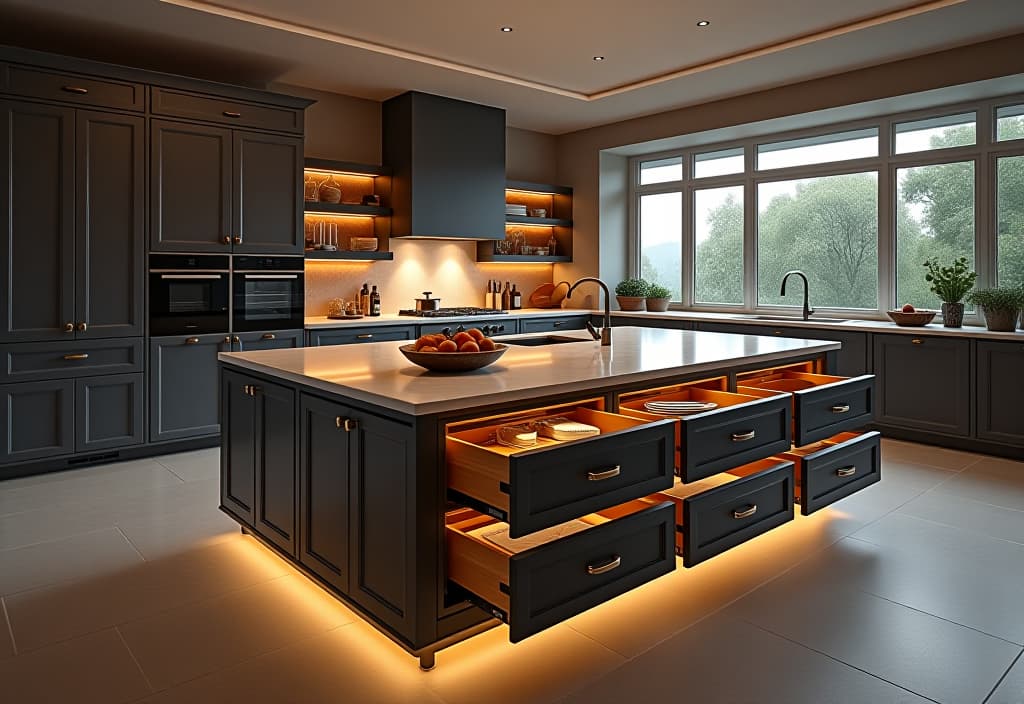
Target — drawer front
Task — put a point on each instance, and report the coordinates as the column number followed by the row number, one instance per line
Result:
column 553, row 582
column 822, row 412
column 552, row 324
column 198, row 107
column 714, row 442
column 551, row 486
column 721, row 518
column 318, row 338
column 840, row 470
column 71, row 88
column 63, row 360
column 500, row 326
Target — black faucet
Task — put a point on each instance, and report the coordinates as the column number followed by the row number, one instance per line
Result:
column 807, row 305
column 605, row 335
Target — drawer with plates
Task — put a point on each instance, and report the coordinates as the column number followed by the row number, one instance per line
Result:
column 823, row 405
column 539, row 468
column 829, row 470
column 720, row 512
column 535, row 582
column 714, row 429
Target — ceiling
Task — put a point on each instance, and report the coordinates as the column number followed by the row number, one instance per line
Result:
column 542, row 72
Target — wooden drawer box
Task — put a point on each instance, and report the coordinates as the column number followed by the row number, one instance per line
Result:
column 723, row 511
column 830, row 470
column 176, row 103
column 73, row 88
column 537, row 587
column 742, row 429
column 31, row 361
column 554, row 481
column 823, row 405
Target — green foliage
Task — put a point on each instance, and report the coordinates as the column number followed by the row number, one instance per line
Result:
column 718, row 270
column 1008, row 298
column 632, row 287
column 950, row 283
column 658, row 291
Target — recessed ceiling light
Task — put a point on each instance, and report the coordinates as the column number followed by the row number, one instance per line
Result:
column 598, row 58
column 506, row 29
column 703, row 23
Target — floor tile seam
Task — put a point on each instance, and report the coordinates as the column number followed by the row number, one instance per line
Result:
column 130, row 542
column 968, row 531
column 10, row 628
column 950, row 492
column 57, row 540
column 928, row 465
column 837, row 660
column 131, row 654
column 1002, row 679
column 613, row 651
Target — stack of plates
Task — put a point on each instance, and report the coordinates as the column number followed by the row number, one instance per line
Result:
column 516, row 436
column 679, row 408
column 561, row 428
column 363, row 244
column 513, row 209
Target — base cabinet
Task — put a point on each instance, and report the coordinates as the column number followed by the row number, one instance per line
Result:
column 1000, row 385
column 183, row 386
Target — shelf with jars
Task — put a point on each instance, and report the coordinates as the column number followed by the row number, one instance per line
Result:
column 538, row 225
column 343, row 216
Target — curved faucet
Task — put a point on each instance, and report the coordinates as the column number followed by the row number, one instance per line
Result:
column 605, row 335
column 807, row 305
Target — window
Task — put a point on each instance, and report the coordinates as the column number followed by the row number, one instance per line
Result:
column 935, row 133
column 839, row 146
column 718, row 239
column 1010, row 122
column 828, row 228
column 1010, row 220
column 720, row 163
column 661, row 238
column 661, row 170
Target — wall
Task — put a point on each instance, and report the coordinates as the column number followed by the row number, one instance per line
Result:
column 597, row 240
column 339, row 126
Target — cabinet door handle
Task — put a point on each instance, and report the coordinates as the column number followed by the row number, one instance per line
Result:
column 77, row 90
column 917, row 341
column 191, row 340
column 607, row 474
column 226, row 240
column 231, row 113
column 605, row 566
column 349, row 425
column 557, row 324
column 269, row 336
column 227, row 339
column 76, row 357
column 69, row 327
column 365, row 336
column 253, row 390
column 245, row 389
column 82, row 326
column 237, row 239
column 338, row 421
column 846, row 471
column 743, row 437
column 745, row 513
column 841, row 408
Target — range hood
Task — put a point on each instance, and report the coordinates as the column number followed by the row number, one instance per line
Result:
column 448, row 164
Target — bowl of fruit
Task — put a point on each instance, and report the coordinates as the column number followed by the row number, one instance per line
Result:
column 461, row 351
column 909, row 316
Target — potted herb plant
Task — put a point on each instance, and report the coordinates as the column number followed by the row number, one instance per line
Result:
column 1000, row 305
column 658, row 297
column 950, row 284
column 631, row 294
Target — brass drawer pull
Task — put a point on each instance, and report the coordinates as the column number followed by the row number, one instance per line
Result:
column 269, row 336
column 191, row 340
column 846, row 471
column 558, row 324
column 82, row 326
column 364, row 336
column 338, row 420
column 607, row 474
column 236, row 339
column 605, row 567
column 745, row 513
column 743, row 437
column 842, row 408
column 226, row 240
column 69, row 327
column 917, row 341
column 75, row 357
column 349, row 425
column 77, row 90
column 231, row 113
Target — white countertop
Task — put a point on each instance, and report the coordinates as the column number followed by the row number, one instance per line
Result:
column 377, row 373
column 320, row 322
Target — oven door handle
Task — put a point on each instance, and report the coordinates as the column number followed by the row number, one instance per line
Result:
column 190, row 277
column 271, row 276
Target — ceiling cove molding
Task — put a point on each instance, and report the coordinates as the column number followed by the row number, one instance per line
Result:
column 336, row 38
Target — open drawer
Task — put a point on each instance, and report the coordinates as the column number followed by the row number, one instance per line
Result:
column 539, row 581
column 742, row 429
column 723, row 511
column 837, row 467
column 556, row 481
column 823, row 405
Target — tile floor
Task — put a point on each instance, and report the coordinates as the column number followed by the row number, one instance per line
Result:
column 124, row 583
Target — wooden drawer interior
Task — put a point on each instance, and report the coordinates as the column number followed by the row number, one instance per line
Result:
column 785, row 381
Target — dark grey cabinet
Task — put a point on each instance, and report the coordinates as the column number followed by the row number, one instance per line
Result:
column 73, row 202
column 183, row 386
column 219, row 190
column 238, row 447
column 109, row 412
column 551, row 324
column 851, row 360
column 272, row 340
column 923, row 383
column 1000, row 385
column 350, row 336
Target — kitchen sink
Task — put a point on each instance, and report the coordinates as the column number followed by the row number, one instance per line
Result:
column 539, row 341
column 793, row 318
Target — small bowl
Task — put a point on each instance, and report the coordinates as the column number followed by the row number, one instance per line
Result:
column 537, row 212
column 915, row 319
column 453, row 361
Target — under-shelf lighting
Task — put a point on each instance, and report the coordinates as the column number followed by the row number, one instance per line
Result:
column 330, row 172
column 320, row 213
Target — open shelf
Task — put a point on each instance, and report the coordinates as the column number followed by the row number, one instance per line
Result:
column 346, row 255
column 346, row 209
column 537, row 222
column 536, row 232
column 351, row 219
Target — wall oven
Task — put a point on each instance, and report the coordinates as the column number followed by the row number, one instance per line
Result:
column 268, row 293
column 189, row 294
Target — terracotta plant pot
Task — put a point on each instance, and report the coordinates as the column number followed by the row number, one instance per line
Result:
column 952, row 315
column 1001, row 320
column 659, row 305
column 631, row 302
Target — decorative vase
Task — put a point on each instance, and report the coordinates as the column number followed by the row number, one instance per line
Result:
column 1001, row 319
column 952, row 315
column 659, row 305
column 631, row 302
column 330, row 191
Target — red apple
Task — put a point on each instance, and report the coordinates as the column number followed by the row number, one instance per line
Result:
column 907, row 308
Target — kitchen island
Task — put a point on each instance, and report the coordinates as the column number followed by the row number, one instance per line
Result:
column 383, row 482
